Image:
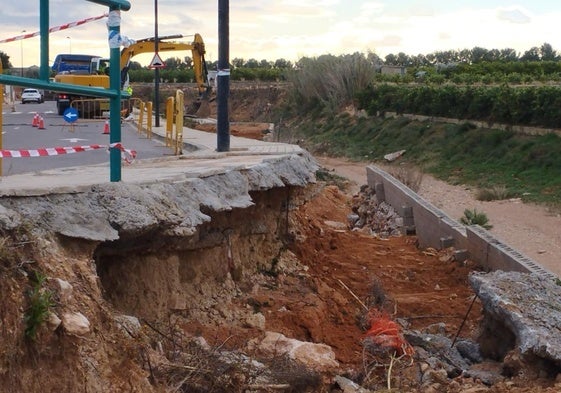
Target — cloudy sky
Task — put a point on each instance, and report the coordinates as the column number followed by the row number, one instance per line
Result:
column 291, row 29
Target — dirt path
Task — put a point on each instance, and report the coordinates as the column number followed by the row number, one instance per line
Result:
column 532, row 230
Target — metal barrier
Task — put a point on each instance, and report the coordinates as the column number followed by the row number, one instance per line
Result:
column 91, row 108
column 140, row 120
column 170, row 107
column 149, row 120
column 174, row 114
column 98, row 108
column 144, row 112
column 179, row 113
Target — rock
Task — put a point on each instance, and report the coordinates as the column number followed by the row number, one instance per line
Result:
column 394, row 156
column 65, row 289
column 487, row 372
column 53, row 321
column 76, row 323
column 314, row 356
column 256, row 320
column 349, row 386
column 429, row 346
column 469, row 350
column 352, row 219
column 525, row 305
column 9, row 219
column 335, row 224
column 128, row 324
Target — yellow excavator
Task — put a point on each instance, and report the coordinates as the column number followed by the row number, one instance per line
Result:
column 97, row 77
column 197, row 48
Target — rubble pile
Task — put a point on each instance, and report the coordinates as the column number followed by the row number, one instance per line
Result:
column 378, row 218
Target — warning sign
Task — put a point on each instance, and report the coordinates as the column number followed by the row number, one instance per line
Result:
column 157, row 62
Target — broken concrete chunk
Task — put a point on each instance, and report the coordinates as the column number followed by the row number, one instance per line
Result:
column 527, row 305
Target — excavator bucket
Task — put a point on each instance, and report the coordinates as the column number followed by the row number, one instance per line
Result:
column 199, row 108
column 204, row 108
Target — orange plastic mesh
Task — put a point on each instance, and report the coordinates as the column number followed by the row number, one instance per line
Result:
column 387, row 333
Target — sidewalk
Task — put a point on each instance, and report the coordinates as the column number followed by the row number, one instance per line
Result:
column 199, row 159
column 200, row 143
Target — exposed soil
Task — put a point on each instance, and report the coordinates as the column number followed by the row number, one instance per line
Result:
column 322, row 285
column 531, row 229
column 319, row 289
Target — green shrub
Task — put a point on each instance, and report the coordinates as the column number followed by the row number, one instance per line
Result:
column 473, row 217
column 494, row 193
column 40, row 303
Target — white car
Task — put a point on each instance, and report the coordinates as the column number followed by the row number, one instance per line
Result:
column 31, row 95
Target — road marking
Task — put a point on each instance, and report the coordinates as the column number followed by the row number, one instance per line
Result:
column 73, row 140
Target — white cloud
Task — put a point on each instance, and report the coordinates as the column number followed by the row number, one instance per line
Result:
column 514, row 15
column 291, row 29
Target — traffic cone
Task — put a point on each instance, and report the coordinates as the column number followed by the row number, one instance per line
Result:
column 106, row 127
column 35, row 122
column 41, row 123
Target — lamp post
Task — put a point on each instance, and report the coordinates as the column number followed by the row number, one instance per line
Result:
column 21, row 52
column 156, row 70
column 69, row 44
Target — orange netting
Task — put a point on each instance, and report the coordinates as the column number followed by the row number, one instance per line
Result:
column 387, row 333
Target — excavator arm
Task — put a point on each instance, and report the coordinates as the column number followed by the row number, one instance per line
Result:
column 148, row 45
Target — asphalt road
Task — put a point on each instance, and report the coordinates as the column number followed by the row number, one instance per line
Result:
column 19, row 134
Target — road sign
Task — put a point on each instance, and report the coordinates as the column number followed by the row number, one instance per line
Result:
column 70, row 115
column 157, row 62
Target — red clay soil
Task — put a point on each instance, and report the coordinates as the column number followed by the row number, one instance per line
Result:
column 346, row 272
column 421, row 286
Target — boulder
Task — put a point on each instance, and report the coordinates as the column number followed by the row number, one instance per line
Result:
column 314, row 356
column 76, row 323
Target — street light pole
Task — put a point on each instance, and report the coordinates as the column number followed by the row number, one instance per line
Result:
column 21, row 50
column 69, row 44
column 157, row 69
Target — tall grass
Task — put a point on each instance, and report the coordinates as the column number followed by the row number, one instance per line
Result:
column 516, row 165
column 330, row 81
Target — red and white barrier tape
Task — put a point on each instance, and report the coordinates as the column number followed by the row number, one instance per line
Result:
column 128, row 156
column 53, row 29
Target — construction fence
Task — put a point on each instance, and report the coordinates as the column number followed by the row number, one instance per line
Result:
column 142, row 112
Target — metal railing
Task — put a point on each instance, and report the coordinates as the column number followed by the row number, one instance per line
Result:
column 98, row 108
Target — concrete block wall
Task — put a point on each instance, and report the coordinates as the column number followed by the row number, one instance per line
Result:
column 435, row 229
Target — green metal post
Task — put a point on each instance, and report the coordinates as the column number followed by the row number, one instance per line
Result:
column 44, row 30
column 114, row 25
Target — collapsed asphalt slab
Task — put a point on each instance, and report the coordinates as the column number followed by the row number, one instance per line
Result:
column 523, row 309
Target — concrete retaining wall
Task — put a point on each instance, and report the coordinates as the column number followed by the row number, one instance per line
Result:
column 435, row 229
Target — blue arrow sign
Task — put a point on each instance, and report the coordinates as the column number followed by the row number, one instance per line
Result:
column 70, row 115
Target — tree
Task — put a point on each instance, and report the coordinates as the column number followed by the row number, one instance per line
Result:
column 265, row 64
column 135, row 65
column 508, row 54
column 478, row 54
column 252, row 63
column 174, row 63
column 532, row 54
column 282, row 64
column 391, row 59
column 547, row 53
column 5, row 60
column 238, row 62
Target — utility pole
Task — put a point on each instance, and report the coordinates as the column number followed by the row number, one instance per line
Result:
column 157, row 69
column 223, row 77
